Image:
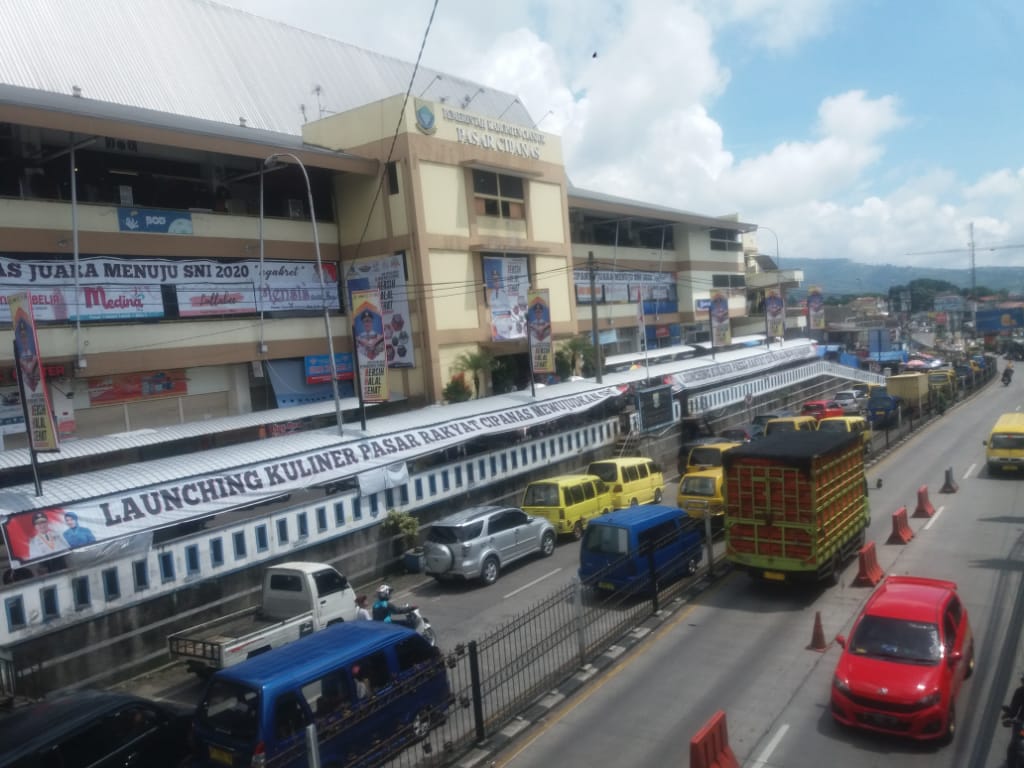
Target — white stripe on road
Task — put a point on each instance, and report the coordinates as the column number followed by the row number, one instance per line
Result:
column 527, row 586
column 766, row 753
column 933, row 518
column 968, row 472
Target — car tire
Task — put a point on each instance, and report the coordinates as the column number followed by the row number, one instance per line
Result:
column 547, row 544
column 420, row 724
column 577, row 531
column 490, row 570
column 691, row 566
column 657, row 495
column 970, row 663
column 633, row 503
column 950, row 732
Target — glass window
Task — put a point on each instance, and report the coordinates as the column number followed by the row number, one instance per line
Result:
column 282, row 531
column 321, row 519
column 497, row 194
column 328, row 581
column 419, row 488
column 403, row 494
column 15, row 608
column 458, row 477
column 216, row 552
column 303, row 521
column 238, row 542
column 357, row 509
column 432, row 484
column 262, row 539
column 375, row 505
column 166, row 561
column 111, row 584
column 80, row 592
column 339, row 514
column 192, row 560
column 140, row 574
column 48, row 598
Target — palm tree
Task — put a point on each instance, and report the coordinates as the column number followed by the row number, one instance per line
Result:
column 475, row 363
column 578, row 348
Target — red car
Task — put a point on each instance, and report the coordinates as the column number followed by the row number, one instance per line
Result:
column 821, row 409
column 907, row 656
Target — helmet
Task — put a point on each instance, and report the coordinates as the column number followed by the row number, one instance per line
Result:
column 383, row 592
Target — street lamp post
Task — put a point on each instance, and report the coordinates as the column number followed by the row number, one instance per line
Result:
column 320, row 271
column 778, row 275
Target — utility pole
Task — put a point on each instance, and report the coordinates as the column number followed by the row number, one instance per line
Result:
column 598, row 362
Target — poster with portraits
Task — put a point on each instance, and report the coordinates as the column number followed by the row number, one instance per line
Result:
column 775, row 314
column 506, row 284
column 721, row 331
column 35, row 397
column 370, row 345
column 815, row 308
column 386, row 274
column 539, row 324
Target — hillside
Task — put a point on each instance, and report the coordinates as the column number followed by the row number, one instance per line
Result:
column 842, row 276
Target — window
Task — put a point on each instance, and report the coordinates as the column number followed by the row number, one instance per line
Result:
column 497, row 194
column 469, row 473
column 166, row 561
column 15, row 608
column 728, row 281
column 238, row 542
column 51, row 609
column 303, row 521
column 339, row 514
column 80, row 592
column 445, row 483
column 412, row 652
column 403, row 494
column 328, row 581
column 419, row 488
column 588, row 491
column 725, row 240
column 262, row 540
column 216, row 552
column 375, row 505
column 192, row 560
column 357, row 509
column 432, row 484
column 576, row 494
column 282, row 531
column 392, row 172
column 111, row 584
column 458, row 477
column 140, row 574
column 321, row 519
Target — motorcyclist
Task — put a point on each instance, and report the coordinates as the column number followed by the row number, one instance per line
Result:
column 383, row 609
column 1008, row 373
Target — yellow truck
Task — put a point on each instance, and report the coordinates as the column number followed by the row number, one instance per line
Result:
column 913, row 390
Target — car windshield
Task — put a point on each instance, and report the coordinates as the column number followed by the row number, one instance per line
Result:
column 698, row 486
column 606, row 540
column 707, row 457
column 832, row 426
column 915, row 642
column 231, row 709
column 603, row 469
column 452, row 534
column 1007, row 442
column 541, row 495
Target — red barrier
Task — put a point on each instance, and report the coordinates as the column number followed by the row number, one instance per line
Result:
column 924, row 506
column 901, row 533
column 870, row 572
column 710, row 747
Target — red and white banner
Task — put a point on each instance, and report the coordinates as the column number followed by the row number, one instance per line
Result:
column 35, row 397
column 201, row 299
column 111, row 517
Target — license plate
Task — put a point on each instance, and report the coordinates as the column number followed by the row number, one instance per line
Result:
column 606, row 585
column 774, row 576
column 883, row 721
column 220, row 756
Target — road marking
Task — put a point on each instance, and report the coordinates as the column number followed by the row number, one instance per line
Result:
column 515, row 592
column 968, row 472
column 933, row 518
column 766, row 753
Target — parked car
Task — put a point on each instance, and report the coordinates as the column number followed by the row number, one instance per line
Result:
column 744, row 433
column 852, row 401
column 102, row 729
column 905, row 661
column 688, row 445
column 478, row 542
column 821, row 409
column 632, row 480
column 568, row 501
column 762, row 419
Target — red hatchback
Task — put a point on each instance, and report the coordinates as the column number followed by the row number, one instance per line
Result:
column 906, row 658
column 821, row 409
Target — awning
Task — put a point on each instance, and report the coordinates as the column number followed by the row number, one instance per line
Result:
column 288, row 380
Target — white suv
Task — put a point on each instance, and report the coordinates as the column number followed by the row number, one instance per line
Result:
column 478, row 542
column 852, row 401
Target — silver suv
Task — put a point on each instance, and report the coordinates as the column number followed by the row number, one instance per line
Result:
column 478, row 542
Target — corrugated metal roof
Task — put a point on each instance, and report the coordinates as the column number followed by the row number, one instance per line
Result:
column 580, row 198
column 203, row 60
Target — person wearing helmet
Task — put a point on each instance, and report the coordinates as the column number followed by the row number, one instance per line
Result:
column 383, row 609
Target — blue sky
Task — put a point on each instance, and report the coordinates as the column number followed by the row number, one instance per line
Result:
column 864, row 129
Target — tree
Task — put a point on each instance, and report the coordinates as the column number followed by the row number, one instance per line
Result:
column 569, row 352
column 475, row 363
column 456, row 390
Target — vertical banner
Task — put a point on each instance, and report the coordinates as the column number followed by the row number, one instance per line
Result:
column 387, row 275
column 815, row 308
column 42, row 431
column 539, row 321
column 721, row 332
column 371, row 356
column 775, row 314
column 506, row 281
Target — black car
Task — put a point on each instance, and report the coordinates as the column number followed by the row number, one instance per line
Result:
column 100, row 729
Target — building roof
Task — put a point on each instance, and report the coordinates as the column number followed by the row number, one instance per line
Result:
column 599, row 201
column 159, row 55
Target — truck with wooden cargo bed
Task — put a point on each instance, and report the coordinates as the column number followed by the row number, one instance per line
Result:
column 913, row 391
column 298, row 598
column 796, row 505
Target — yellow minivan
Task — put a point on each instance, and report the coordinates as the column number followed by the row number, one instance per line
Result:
column 856, row 424
column 791, row 424
column 707, row 456
column 633, row 480
column 568, row 501
column 700, row 494
column 1004, row 448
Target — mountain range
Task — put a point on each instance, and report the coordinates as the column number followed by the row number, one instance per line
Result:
column 843, row 276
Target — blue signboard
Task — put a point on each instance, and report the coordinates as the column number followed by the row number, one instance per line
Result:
column 318, row 367
column 999, row 320
column 153, row 220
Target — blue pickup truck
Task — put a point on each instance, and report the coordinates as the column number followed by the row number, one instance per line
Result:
column 883, row 410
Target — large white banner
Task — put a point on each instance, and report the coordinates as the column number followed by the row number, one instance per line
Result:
column 113, row 517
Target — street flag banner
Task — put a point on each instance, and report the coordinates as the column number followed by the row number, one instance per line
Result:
column 815, row 308
column 370, row 344
column 721, row 333
column 775, row 314
column 387, row 275
column 539, row 321
column 35, row 397
column 507, row 281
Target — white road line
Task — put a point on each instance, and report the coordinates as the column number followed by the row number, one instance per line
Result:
column 766, row 753
column 968, row 472
column 527, row 586
column 933, row 518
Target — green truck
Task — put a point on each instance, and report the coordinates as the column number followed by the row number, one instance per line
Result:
column 796, row 505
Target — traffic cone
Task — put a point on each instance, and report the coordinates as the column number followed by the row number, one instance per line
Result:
column 818, row 636
column 950, row 485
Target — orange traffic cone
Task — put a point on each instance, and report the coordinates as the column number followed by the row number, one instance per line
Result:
column 818, row 636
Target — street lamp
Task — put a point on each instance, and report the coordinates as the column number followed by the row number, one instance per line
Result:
column 778, row 274
column 320, row 271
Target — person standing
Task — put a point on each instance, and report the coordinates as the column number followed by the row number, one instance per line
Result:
column 362, row 612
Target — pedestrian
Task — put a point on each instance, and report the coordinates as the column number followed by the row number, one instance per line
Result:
column 362, row 612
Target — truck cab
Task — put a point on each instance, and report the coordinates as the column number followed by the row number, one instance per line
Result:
column 297, row 587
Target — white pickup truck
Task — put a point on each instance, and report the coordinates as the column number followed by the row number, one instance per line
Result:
column 298, row 598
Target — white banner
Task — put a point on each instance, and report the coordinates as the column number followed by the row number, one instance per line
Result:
column 201, row 299
column 113, row 517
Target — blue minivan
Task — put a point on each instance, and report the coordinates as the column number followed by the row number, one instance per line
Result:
column 615, row 552
column 371, row 689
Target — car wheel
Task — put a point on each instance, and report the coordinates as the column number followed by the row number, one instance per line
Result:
column 547, row 544
column 950, row 732
column 657, row 495
column 833, row 570
column 489, row 571
column 577, row 530
column 633, row 502
column 421, row 724
column 970, row 663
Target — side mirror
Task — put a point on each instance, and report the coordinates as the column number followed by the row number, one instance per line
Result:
column 984, row 442
column 841, row 641
column 955, row 658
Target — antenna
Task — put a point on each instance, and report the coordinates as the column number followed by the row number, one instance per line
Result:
column 506, row 109
column 436, row 78
column 468, row 99
column 317, row 90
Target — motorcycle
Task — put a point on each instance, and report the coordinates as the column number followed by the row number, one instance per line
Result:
column 1015, row 751
column 1007, row 376
column 412, row 618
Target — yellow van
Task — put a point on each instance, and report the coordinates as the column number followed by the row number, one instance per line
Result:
column 1004, row 448
column 857, row 424
column 568, row 501
column 791, row 424
column 700, row 494
column 633, row 480
column 707, row 456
